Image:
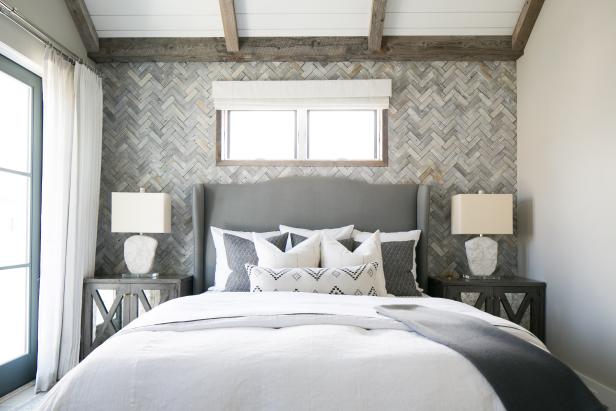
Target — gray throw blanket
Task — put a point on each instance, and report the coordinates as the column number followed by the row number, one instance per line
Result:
column 524, row 376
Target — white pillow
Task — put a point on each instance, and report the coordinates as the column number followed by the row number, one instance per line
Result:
column 361, row 236
column 358, row 280
column 340, row 233
column 334, row 254
column 305, row 254
column 221, row 274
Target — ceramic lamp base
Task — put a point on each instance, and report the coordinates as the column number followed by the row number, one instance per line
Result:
column 139, row 252
column 482, row 253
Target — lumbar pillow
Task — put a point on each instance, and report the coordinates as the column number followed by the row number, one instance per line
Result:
column 222, row 271
column 396, row 258
column 357, row 280
column 340, row 233
column 305, row 254
column 334, row 254
column 241, row 251
column 296, row 239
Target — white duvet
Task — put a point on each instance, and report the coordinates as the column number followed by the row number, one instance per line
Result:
column 277, row 351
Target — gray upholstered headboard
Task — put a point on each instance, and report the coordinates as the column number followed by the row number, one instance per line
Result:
column 309, row 202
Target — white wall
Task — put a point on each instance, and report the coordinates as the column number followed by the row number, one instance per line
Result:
column 567, row 178
column 51, row 16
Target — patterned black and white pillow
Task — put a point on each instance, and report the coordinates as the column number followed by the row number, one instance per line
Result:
column 241, row 251
column 357, row 280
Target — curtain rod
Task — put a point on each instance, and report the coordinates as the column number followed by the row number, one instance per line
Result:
column 13, row 15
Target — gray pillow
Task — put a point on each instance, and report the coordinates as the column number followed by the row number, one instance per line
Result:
column 241, row 251
column 296, row 239
column 398, row 259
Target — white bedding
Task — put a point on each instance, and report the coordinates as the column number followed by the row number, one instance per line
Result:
column 277, row 351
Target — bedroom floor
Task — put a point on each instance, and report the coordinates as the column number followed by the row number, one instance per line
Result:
column 22, row 399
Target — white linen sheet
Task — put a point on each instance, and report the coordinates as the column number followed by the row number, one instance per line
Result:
column 277, row 351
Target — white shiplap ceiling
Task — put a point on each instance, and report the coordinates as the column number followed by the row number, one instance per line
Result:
column 265, row 18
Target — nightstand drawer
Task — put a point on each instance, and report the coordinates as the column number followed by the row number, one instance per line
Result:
column 111, row 302
column 517, row 299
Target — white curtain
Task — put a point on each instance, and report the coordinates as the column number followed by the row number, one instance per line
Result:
column 72, row 139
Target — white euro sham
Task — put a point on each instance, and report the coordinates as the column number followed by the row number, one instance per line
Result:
column 334, row 254
column 340, row 233
column 305, row 254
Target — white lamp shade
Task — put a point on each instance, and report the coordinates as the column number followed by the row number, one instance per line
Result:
column 140, row 213
column 482, row 214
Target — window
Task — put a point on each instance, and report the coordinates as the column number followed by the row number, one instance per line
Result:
column 343, row 135
column 20, row 183
column 302, row 123
column 258, row 134
column 301, row 135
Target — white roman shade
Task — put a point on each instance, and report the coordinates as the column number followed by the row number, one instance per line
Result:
column 332, row 94
column 140, row 213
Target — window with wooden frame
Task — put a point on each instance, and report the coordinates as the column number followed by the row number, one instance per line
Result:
column 303, row 123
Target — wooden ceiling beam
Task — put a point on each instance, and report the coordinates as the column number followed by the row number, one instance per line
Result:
column 525, row 24
column 394, row 48
column 83, row 22
column 377, row 22
column 229, row 25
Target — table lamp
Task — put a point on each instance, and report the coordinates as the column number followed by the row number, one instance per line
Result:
column 140, row 213
column 482, row 214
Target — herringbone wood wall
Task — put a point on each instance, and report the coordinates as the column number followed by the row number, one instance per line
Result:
column 451, row 125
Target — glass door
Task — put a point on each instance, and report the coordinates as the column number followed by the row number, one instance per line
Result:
column 20, row 199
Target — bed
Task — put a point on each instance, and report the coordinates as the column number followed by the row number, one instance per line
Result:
column 283, row 351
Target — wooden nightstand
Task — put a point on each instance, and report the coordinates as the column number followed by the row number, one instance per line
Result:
column 111, row 302
column 517, row 299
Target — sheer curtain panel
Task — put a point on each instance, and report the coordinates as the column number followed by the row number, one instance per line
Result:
column 72, row 138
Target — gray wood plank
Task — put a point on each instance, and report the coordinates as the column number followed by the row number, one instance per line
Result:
column 526, row 22
column 394, row 48
column 83, row 22
column 229, row 25
column 377, row 21
column 115, row 279
column 86, row 320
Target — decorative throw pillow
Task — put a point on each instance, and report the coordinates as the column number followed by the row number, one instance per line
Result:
column 398, row 258
column 339, row 233
column 241, row 251
column 222, row 270
column 357, row 280
column 334, row 254
column 296, row 239
column 412, row 235
column 360, row 236
column 305, row 254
